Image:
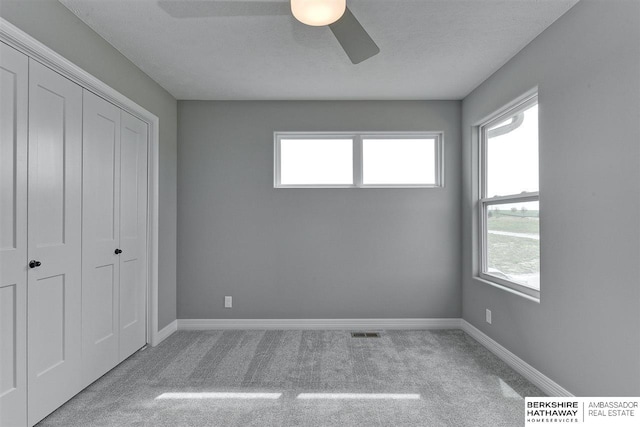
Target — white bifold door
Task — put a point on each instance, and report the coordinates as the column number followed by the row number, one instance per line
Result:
column 40, row 247
column 133, row 234
column 54, row 240
column 73, row 238
column 113, row 236
column 14, row 71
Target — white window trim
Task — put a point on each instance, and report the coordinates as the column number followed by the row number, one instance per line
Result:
column 357, row 138
column 484, row 202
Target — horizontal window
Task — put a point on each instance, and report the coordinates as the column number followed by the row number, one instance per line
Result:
column 409, row 161
column 316, row 161
column 358, row 160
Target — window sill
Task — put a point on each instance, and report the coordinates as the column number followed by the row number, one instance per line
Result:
column 507, row 289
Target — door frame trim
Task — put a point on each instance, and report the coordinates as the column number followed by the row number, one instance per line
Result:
column 23, row 42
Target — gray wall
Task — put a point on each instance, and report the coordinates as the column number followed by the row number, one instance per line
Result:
column 585, row 333
column 55, row 26
column 311, row 253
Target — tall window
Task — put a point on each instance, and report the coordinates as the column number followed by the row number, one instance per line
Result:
column 509, row 200
column 358, row 160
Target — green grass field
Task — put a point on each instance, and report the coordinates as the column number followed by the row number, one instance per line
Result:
column 529, row 225
column 511, row 254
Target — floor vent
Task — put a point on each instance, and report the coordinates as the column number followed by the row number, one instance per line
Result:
column 365, row 335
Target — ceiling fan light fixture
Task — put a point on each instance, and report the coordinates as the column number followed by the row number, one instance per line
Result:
column 318, row 13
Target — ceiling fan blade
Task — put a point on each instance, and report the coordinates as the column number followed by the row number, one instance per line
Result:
column 213, row 8
column 353, row 38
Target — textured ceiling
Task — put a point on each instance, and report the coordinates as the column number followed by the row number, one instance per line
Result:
column 240, row 50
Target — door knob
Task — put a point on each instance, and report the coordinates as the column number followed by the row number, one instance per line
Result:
column 33, row 263
column 118, row 251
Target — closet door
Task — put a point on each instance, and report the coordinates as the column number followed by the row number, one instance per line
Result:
column 14, row 71
column 100, row 237
column 54, row 241
column 133, row 235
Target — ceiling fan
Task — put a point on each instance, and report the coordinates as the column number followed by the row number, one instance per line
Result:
column 335, row 14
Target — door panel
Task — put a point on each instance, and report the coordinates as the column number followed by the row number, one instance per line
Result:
column 48, row 326
column 100, row 239
column 54, row 197
column 129, row 189
column 8, row 374
column 128, row 296
column 133, row 235
column 47, row 166
column 14, row 71
column 8, row 144
column 102, row 319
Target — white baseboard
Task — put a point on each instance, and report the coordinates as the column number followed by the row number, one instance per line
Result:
column 333, row 324
column 164, row 333
column 540, row 380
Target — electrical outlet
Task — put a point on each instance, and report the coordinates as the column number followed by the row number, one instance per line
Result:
column 488, row 316
column 228, row 303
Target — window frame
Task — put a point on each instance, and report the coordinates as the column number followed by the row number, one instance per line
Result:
column 484, row 202
column 357, row 138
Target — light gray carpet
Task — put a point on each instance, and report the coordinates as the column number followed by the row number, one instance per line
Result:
column 458, row 381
